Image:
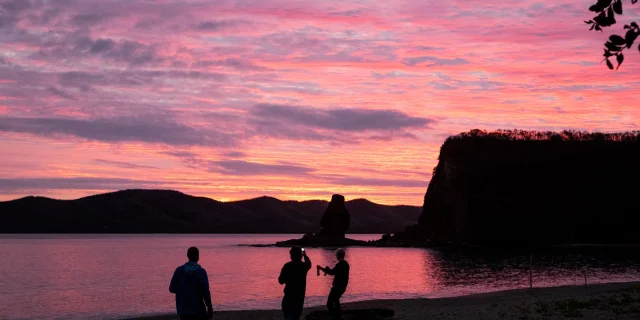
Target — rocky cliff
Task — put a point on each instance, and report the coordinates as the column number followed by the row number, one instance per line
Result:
column 533, row 188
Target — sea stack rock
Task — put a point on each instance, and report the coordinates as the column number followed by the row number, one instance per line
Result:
column 334, row 223
column 336, row 219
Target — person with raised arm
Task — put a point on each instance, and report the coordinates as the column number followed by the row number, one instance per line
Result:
column 294, row 278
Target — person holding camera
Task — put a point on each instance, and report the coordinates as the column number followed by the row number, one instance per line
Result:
column 340, row 281
column 294, row 276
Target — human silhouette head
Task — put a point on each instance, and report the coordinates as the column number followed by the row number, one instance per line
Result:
column 295, row 253
column 193, row 254
column 340, row 253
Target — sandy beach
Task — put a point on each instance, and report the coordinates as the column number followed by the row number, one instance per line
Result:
column 599, row 301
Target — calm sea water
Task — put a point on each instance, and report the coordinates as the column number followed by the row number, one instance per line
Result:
column 115, row 276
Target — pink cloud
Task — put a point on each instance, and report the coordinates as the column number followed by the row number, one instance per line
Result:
column 171, row 85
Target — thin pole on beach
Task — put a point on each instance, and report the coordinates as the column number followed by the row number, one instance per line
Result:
column 585, row 280
column 530, row 271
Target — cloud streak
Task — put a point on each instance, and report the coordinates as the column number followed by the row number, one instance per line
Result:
column 120, row 164
column 246, row 168
column 339, row 119
column 143, row 129
column 11, row 185
column 377, row 182
column 436, row 61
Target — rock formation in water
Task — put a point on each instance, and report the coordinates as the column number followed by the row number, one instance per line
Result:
column 336, row 218
column 334, row 223
column 528, row 188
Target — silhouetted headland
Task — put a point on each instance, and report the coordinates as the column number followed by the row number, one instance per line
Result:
column 165, row 211
column 531, row 189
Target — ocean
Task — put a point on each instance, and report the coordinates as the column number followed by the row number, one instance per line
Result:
column 117, row 276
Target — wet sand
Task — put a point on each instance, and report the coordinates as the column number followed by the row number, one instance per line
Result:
column 600, row 301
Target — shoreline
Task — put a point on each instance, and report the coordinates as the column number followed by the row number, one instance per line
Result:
column 493, row 248
column 619, row 300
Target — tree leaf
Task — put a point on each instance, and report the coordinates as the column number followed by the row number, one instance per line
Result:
column 595, row 8
column 609, row 64
column 604, row 3
column 598, row 27
column 611, row 46
column 617, row 7
column 617, row 40
column 619, row 58
column 633, row 24
column 591, row 22
column 630, row 37
column 634, row 1
column 639, row 47
column 611, row 19
column 601, row 19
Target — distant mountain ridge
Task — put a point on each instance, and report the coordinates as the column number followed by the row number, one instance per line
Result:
column 167, row 211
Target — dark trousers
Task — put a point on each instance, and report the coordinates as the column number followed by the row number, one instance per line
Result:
column 292, row 307
column 333, row 303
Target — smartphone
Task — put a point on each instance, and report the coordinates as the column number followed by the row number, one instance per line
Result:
column 302, row 250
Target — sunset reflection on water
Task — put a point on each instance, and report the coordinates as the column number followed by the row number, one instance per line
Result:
column 113, row 276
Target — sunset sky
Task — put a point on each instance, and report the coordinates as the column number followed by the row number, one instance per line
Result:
column 291, row 99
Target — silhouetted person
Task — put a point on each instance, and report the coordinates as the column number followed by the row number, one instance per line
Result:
column 294, row 277
column 340, row 275
column 190, row 283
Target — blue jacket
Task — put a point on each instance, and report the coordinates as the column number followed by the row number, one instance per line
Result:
column 190, row 283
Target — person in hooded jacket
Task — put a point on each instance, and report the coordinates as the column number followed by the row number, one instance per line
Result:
column 190, row 284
